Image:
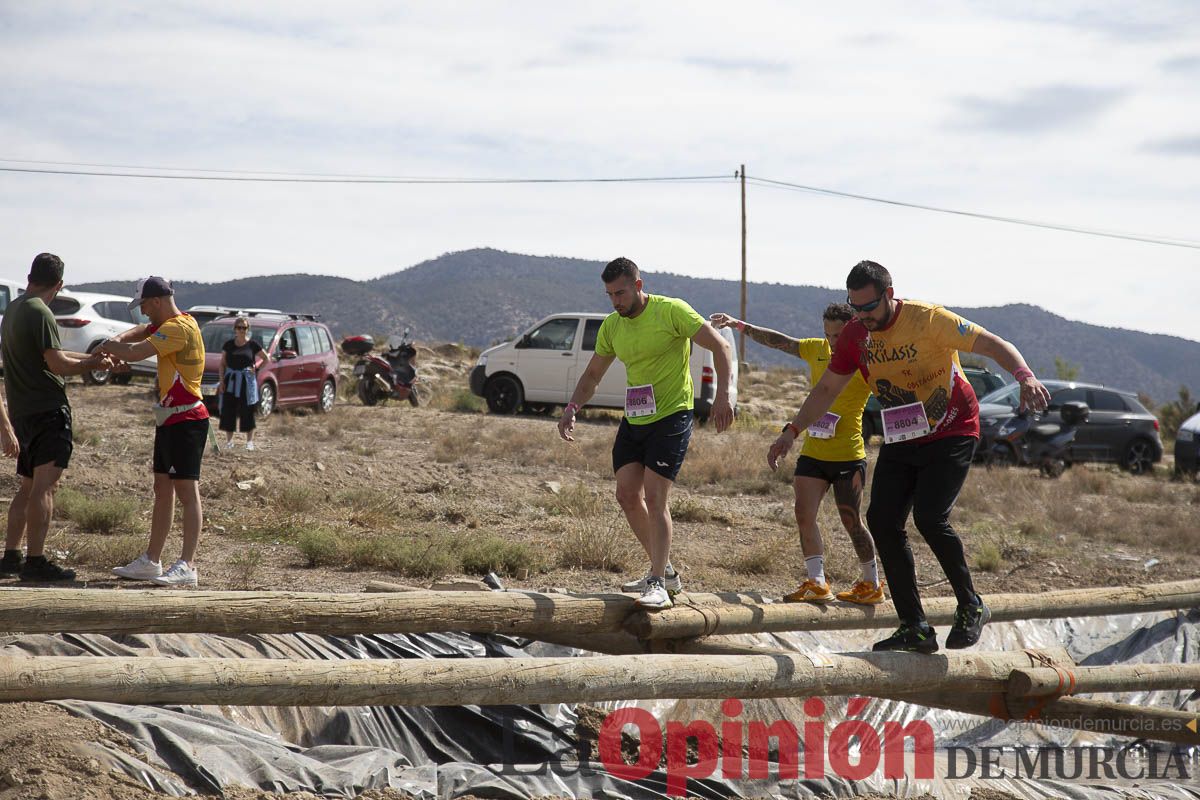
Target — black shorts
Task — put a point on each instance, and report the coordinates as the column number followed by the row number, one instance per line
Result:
column 660, row 446
column 179, row 448
column 830, row 471
column 45, row 438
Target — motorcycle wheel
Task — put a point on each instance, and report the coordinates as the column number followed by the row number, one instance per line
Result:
column 1054, row 467
column 414, row 397
column 366, row 391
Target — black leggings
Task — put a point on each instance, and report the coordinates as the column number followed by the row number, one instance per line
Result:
column 924, row 478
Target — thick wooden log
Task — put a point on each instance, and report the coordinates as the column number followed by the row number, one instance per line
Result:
column 705, row 618
column 1040, row 682
column 432, row 682
column 148, row 611
column 1075, row 713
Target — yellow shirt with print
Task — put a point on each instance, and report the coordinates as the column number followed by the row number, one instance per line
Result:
column 847, row 442
column 180, row 350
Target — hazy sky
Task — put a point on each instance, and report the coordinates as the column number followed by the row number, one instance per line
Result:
column 1087, row 114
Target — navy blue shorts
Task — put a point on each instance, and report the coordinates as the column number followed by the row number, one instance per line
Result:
column 830, row 471
column 45, row 438
column 659, row 446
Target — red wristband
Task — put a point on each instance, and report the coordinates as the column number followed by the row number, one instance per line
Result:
column 1022, row 373
column 741, row 326
column 573, row 407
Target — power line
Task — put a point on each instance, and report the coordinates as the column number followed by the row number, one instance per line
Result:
column 247, row 176
column 1133, row 237
column 244, row 177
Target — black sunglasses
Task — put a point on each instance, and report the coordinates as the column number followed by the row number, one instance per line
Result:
column 866, row 308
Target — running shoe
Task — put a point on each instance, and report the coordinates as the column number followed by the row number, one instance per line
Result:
column 865, row 593
column 140, row 569
column 180, row 574
column 968, row 624
column 42, row 570
column 810, row 592
column 910, row 638
column 673, row 583
column 654, row 596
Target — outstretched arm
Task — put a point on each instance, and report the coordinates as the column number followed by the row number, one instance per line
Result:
column 764, row 336
column 584, row 389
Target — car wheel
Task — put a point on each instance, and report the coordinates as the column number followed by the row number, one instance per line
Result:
column 328, row 395
column 503, row 394
column 1138, row 458
column 266, row 400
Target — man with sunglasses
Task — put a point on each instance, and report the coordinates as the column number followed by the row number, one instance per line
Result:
column 833, row 455
column 907, row 351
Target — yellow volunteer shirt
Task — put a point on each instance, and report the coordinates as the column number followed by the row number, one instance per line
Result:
column 847, row 443
column 180, row 352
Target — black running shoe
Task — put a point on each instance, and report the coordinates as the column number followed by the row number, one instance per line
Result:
column 910, row 638
column 40, row 570
column 968, row 624
column 11, row 564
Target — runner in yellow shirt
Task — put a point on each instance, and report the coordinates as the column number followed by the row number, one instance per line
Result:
column 833, row 455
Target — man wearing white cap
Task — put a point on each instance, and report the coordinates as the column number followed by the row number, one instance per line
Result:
column 181, row 427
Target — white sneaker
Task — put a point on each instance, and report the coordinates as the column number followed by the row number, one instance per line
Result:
column 249, row 445
column 140, row 569
column 654, row 596
column 229, row 445
column 180, row 574
column 673, row 584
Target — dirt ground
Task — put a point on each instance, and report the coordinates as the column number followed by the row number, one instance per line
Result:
column 448, row 474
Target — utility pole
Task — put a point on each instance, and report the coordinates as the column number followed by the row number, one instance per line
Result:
column 742, row 334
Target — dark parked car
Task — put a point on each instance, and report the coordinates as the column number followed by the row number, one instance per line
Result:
column 301, row 368
column 1187, row 446
column 981, row 379
column 1119, row 429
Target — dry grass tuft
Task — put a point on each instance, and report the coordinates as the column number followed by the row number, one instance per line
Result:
column 99, row 551
column 763, row 558
column 591, row 543
column 689, row 509
column 95, row 514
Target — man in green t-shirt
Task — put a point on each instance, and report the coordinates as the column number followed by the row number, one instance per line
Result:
column 34, row 366
column 652, row 337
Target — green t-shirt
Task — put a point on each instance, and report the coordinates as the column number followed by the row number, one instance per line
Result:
column 654, row 346
column 28, row 331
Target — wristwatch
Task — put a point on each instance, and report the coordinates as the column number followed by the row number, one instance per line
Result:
column 791, row 427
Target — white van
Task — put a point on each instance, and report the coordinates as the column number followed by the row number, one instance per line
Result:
column 538, row 370
column 9, row 291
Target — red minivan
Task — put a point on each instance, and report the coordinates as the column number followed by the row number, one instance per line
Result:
column 301, row 367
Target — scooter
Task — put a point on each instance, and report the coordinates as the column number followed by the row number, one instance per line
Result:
column 1026, row 441
column 390, row 376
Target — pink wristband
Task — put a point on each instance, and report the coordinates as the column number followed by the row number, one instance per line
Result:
column 1021, row 374
column 741, row 326
column 573, row 408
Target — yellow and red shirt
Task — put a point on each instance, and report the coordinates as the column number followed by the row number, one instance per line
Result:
column 180, row 351
column 915, row 359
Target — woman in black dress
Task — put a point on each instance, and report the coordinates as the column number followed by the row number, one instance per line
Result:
column 238, row 385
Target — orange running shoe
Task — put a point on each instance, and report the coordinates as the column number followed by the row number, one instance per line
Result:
column 865, row 593
column 810, row 592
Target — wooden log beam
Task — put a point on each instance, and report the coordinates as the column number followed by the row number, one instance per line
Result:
column 705, row 618
column 435, row 682
column 114, row 611
column 1045, row 681
column 1075, row 713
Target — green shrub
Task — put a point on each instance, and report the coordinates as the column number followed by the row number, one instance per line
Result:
column 494, row 554
column 321, row 547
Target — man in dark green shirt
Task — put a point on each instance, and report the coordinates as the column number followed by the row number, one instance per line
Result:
column 34, row 366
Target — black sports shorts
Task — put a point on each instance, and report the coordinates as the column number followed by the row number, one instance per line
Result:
column 44, row 438
column 830, row 471
column 179, row 448
column 660, row 446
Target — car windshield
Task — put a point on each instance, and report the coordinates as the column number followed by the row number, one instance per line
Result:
column 215, row 336
column 1004, row 396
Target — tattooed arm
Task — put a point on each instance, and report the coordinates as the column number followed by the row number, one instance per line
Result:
column 764, row 336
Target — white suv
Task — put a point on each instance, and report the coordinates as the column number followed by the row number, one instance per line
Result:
column 9, row 291
column 86, row 319
column 538, row 370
